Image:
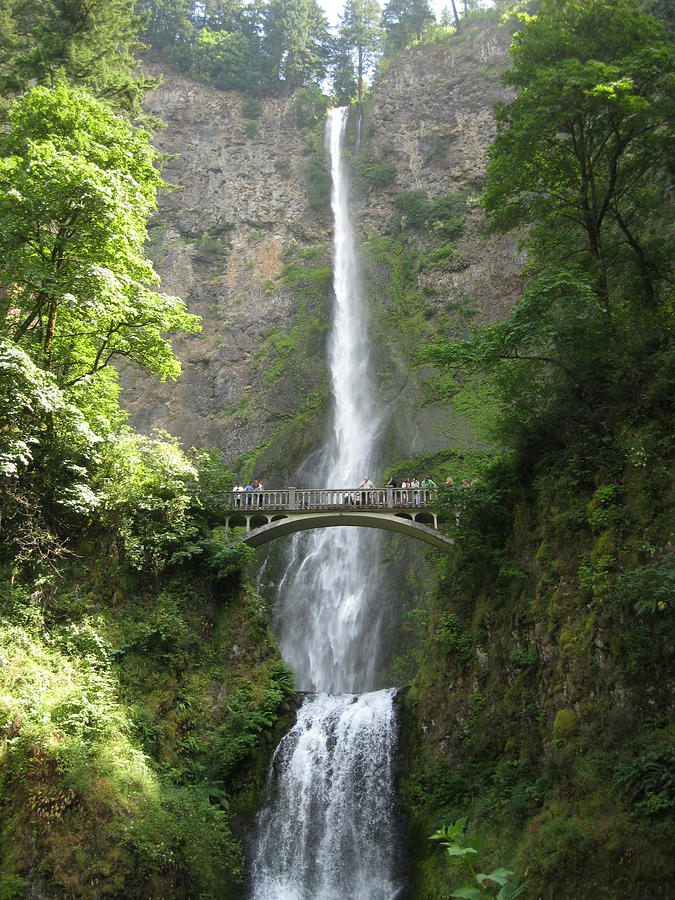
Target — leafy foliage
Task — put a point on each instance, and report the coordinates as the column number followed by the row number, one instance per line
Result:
column 453, row 838
column 147, row 487
column 402, row 21
column 92, row 43
column 561, row 571
column 647, row 779
column 578, row 157
column 360, row 35
column 441, row 216
column 79, row 183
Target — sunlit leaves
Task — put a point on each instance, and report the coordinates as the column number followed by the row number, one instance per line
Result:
column 27, row 394
column 581, row 148
column 79, row 184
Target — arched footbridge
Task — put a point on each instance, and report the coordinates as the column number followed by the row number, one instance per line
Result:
column 267, row 515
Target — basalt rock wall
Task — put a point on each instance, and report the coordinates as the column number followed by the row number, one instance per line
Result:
column 245, row 238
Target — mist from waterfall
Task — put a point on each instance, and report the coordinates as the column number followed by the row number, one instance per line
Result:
column 328, row 830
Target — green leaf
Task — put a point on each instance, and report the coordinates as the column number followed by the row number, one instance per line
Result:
column 468, row 893
column 512, row 889
column 500, row 876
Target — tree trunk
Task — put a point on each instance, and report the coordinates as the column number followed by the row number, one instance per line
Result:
column 360, row 76
column 51, row 328
column 454, row 13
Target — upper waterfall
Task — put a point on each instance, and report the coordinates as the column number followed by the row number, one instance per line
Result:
column 350, row 453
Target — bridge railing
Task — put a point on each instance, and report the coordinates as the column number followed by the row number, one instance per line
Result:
column 330, row 498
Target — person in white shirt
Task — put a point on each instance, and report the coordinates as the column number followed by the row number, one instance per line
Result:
column 368, row 485
column 238, row 489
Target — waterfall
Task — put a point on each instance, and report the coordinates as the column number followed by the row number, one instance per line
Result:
column 328, row 622
column 327, row 831
column 326, row 835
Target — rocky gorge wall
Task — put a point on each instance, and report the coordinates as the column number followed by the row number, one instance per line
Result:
column 245, row 238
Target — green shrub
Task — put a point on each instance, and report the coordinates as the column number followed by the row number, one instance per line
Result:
column 500, row 884
column 318, row 182
column 649, row 589
column 452, row 638
column 443, row 216
column 378, row 173
column 308, row 106
column 251, row 108
column 12, row 887
column 648, row 780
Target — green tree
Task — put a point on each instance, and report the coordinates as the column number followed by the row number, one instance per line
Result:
column 296, row 43
column 170, row 28
column 92, row 42
column 581, row 160
column 581, row 152
column 402, row 21
column 360, row 33
column 345, row 85
column 78, row 183
column 226, row 60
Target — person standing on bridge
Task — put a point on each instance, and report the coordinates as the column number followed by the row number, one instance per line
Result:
column 367, row 484
column 237, row 489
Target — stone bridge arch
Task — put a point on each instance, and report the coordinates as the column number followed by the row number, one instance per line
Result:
column 267, row 528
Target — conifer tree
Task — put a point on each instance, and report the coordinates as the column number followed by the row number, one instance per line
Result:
column 296, row 42
column 360, row 31
column 92, row 42
column 404, row 20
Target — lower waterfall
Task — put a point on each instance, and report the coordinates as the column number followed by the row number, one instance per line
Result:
column 326, row 833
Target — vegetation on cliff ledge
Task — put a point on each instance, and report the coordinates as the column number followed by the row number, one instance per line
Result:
column 540, row 710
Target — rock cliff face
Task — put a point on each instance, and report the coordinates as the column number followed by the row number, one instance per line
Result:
column 432, row 116
column 240, row 241
column 218, row 242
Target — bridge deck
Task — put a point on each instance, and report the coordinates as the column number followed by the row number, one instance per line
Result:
column 330, row 498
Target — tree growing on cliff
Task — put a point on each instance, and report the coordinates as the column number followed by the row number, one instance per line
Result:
column 581, row 159
column 360, row 33
column 296, row 45
column 403, row 21
column 581, row 153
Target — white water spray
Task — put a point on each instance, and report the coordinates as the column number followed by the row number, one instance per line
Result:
column 328, row 831
column 329, row 620
column 326, row 835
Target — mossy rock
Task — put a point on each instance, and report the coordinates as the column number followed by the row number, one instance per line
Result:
column 565, row 724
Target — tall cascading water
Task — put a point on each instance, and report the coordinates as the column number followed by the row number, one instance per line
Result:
column 329, row 623
column 328, row 830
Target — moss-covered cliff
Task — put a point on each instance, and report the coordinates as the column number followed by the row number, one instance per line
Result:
column 541, row 706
